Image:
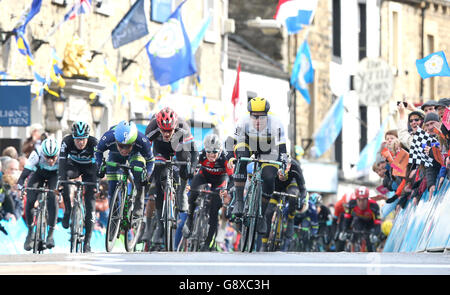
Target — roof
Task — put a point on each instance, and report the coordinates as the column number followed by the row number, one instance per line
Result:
column 252, row 60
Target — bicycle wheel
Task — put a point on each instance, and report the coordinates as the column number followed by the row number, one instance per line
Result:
column 39, row 236
column 275, row 232
column 115, row 217
column 133, row 230
column 193, row 240
column 250, row 220
column 76, row 229
column 169, row 220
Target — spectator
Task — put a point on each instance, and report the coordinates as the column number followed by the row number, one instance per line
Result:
column 11, row 152
column 11, row 203
column 429, row 106
column 11, row 167
column 430, row 123
column 442, row 104
column 406, row 129
column 102, row 205
column 36, row 136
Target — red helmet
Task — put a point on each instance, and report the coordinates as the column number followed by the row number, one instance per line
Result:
column 167, row 119
column 362, row 192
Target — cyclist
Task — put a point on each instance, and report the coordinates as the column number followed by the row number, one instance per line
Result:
column 213, row 170
column 324, row 218
column 338, row 217
column 291, row 182
column 125, row 142
column 308, row 221
column 363, row 214
column 76, row 158
column 262, row 134
column 43, row 165
column 171, row 135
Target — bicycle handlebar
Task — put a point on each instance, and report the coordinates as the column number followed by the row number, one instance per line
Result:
column 246, row 159
column 285, row 194
column 124, row 166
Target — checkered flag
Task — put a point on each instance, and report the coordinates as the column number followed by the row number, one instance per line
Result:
column 416, row 153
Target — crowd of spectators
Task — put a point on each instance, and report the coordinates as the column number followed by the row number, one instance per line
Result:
column 414, row 158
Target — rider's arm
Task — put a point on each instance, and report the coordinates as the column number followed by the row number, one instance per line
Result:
column 298, row 176
column 105, row 141
column 376, row 216
column 146, row 152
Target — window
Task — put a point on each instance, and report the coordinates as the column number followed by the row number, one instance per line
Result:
column 337, row 28
column 395, row 39
column 362, row 31
column 103, row 7
column 209, row 8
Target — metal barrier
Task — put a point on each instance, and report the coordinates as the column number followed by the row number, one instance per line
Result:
column 425, row 227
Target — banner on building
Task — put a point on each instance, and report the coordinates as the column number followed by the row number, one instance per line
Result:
column 15, row 105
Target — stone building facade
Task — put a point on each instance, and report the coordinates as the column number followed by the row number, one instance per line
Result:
column 125, row 92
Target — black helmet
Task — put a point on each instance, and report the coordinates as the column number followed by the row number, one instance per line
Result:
column 80, row 129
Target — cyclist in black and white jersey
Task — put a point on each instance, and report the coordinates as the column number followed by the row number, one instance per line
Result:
column 76, row 158
column 42, row 164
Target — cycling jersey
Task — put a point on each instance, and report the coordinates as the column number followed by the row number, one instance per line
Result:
column 371, row 213
column 36, row 162
column 269, row 140
column 294, row 178
column 108, row 142
column 70, row 153
column 182, row 139
column 217, row 168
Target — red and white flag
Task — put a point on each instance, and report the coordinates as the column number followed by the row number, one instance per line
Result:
column 235, row 95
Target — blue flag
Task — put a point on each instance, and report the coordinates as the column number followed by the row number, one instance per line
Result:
column 35, row 8
column 170, row 51
column 432, row 65
column 133, row 26
column 195, row 44
column 330, row 128
column 368, row 155
column 303, row 71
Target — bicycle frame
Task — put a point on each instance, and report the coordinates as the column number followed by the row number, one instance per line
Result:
column 276, row 231
column 252, row 207
column 121, row 208
column 78, row 214
column 169, row 210
column 40, row 217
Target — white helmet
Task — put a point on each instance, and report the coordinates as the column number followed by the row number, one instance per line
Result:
column 212, row 143
column 50, row 147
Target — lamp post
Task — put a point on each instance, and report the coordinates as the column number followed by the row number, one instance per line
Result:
column 97, row 109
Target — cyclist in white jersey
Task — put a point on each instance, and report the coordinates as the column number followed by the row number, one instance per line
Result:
column 261, row 134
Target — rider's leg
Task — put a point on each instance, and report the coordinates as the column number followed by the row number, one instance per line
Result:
column 89, row 200
column 138, row 160
column 52, row 207
column 196, row 182
column 214, row 207
column 71, row 172
column 34, row 181
column 241, row 150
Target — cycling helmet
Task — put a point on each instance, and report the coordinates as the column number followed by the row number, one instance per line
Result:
column 258, row 104
column 315, row 198
column 167, row 119
column 362, row 192
column 250, row 168
column 125, row 132
column 80, row 129
column 386, row 227
column 212, row 143
column 50, row 147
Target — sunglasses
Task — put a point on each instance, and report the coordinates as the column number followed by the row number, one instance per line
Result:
column 50, row 158
column 258, row 116
column 124, row 146
column 212, row 152
column 414, row 120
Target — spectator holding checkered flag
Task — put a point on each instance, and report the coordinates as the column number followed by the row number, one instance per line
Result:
column 432, row 125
